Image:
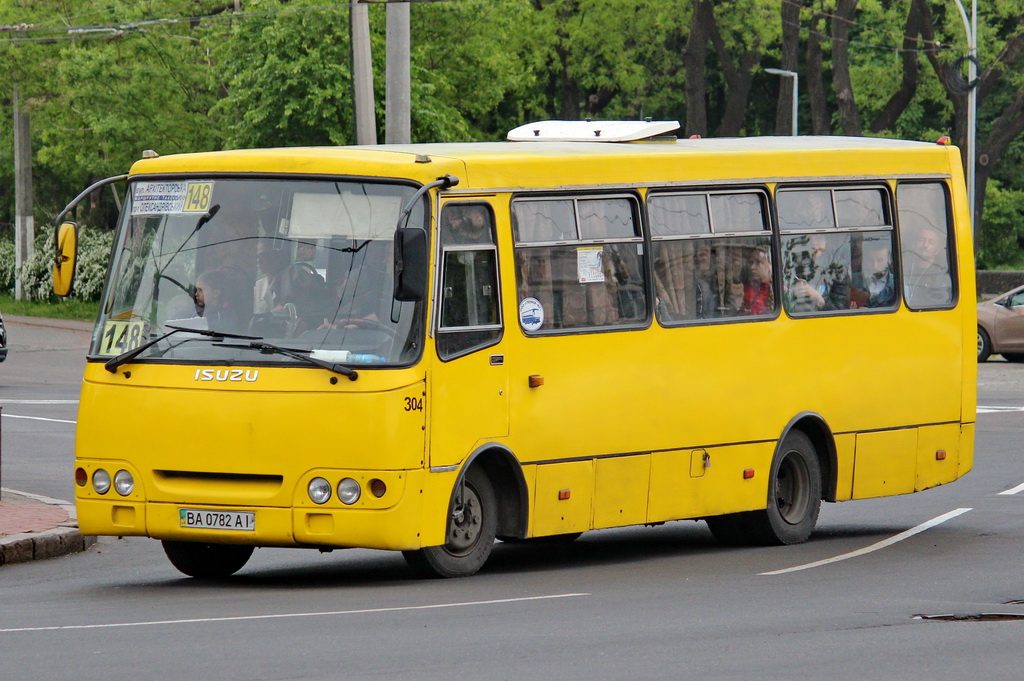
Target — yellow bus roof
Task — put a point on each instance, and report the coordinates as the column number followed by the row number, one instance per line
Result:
column 498, row 165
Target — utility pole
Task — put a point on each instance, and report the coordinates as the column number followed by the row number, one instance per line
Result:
column 397, row 124
column 362, row 74
column 24, row 223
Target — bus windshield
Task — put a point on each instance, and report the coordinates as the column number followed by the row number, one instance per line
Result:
column 306, row 265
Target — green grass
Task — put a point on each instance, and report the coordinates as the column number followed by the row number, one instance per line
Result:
column 63, row 308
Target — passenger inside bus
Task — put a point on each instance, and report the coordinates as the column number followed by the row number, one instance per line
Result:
column 221, row 298
column 926, row 275
column 876, row 285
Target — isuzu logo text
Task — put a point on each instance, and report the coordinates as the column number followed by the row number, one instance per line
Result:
column 236, row 375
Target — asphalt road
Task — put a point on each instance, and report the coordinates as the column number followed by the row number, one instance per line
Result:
column 641, row 603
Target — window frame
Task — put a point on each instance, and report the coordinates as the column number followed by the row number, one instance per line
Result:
column 768, row 230
column 838, row 186
column 443, row 252
column 639, row 238
column 951, row 251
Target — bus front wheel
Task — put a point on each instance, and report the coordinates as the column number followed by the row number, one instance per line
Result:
column 472, row 526
column 207, row 561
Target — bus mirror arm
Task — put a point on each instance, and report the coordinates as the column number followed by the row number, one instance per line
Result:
column 411, row 254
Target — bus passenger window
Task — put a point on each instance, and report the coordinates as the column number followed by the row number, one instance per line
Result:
column 836, row 249
column 924, row 234
column 595, row 280
column 469, row 318
column 699, row 276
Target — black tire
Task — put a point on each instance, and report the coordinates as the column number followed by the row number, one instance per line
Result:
column 984, row 345
column 1013, row 357
column 207, row 561
column 794, row 500
column 470, row 535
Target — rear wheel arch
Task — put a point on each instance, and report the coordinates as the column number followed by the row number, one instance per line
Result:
column 814, row 427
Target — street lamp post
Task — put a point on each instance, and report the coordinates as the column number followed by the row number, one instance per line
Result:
column 796, row 85
column 971, row 27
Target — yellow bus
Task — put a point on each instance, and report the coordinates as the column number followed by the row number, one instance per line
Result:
column 429, row 347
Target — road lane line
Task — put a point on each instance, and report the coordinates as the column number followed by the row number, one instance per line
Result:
column 406, row 608
column 875, row 547
column 1014, row 490
column 3, row 401
column 37, row 418
column 997, row 409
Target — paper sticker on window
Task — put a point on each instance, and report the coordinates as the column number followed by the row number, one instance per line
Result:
column 588, row 264
column 154, row 198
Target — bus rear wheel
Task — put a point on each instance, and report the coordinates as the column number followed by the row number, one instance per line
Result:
column 207, row 561
column 472, row 526
column 794, row 500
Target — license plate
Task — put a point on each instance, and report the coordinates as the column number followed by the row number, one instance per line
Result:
column 243, row 521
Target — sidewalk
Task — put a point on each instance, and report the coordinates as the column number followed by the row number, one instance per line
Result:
column 33, row 527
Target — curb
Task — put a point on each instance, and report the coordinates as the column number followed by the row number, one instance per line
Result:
column 59, row 541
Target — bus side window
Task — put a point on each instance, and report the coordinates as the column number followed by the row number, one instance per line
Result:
column 592, row 275
column 924, row 238
column 469, row 317
column 701, row 276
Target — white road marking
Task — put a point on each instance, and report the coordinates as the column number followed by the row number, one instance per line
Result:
column 497, row 601
column 3, row 401
column 998, row 409
column 875, row 547
column 37, row 418
column 1014, row 490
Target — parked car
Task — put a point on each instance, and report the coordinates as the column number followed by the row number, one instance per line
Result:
column 1001, row 326
column 3, row 340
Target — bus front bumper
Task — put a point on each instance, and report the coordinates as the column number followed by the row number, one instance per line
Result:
column 404, row 526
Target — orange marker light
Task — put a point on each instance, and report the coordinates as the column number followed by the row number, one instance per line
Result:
column 944, row 141
column 748, row 473
column 940, row 455
column 536, row 381
column 564, row 494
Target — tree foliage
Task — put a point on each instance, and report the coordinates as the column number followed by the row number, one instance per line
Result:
column 104, row 80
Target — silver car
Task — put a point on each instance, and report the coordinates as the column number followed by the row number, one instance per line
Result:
column 1001, row 326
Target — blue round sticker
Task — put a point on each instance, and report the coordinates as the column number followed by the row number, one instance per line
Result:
column 531, row 314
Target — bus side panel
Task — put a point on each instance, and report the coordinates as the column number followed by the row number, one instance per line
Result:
column 965, row 462
column 620, row 491
column 937, row 455
column 846, row 444
column 677, row 491
column 553, row 514
column 883, row 465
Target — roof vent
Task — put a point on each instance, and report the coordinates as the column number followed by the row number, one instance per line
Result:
column 590, row 131
column 149, row 153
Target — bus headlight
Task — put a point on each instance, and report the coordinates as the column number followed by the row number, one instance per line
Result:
column 349, row 491
column 101, row 481
column 124, row 483
column 319, row 490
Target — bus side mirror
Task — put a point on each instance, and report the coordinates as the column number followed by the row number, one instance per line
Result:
column 65, row 258
column 410, row 264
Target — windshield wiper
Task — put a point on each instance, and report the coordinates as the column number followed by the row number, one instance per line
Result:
column 114, row 362
column 269, row 348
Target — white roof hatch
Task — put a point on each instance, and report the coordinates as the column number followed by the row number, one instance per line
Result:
column 590, row 131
